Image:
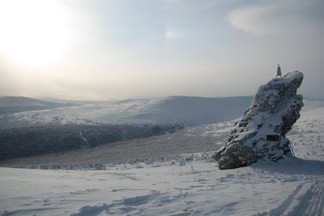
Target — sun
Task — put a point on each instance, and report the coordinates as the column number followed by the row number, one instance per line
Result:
column 34, row 33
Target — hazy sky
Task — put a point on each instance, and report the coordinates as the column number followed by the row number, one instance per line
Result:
column 109, row 49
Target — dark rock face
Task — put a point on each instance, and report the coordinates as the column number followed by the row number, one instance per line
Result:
column 260, row 134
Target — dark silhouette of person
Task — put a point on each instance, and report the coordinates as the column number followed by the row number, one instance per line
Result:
column 278, row 72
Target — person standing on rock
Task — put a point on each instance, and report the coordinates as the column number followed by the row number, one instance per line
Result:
column 278, row 72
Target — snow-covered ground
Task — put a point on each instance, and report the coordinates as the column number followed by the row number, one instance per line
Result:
column 293, row 187
column 176, row 109
column 189, row 185
column 205, row 138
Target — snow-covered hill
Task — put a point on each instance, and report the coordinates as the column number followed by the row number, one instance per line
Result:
column 183, row 110
column 178, row 179
column 167, row 147
column 88, row 125
column 21, row 104
column 24, row 102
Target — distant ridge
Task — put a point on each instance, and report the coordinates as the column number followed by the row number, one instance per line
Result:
column 201, row 110
column 166, row 110
column 10, row 104
column 106, row 123
column 24, row 101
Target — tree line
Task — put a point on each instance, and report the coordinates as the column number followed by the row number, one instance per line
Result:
column 44, row 139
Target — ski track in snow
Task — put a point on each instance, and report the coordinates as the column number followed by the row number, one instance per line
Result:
column 306, row 199
column 198, row 187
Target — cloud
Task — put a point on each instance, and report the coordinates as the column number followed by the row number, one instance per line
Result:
column 278, row 17
column 258, row 20
column 192, row 6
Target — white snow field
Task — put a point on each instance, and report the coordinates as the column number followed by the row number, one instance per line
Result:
column 192, row 184
column 174, row 109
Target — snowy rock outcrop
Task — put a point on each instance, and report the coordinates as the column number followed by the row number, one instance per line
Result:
column 260, row 134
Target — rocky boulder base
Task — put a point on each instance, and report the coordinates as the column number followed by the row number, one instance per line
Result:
column 261, row 133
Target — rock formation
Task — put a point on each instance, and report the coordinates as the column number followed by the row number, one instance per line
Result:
column 260, row 134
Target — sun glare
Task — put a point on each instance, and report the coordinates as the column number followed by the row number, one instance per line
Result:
column 34, row 33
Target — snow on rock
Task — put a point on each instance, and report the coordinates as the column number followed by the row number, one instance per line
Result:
column 261, row 133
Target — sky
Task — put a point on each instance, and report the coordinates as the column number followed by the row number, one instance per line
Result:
column 113, row 49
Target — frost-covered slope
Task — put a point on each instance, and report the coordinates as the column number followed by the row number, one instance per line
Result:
column 190, row 184
column 25, row 102
column 307, row 135
column 21, row 104
column 86, row 126
column 148, row 150
column 184, row 110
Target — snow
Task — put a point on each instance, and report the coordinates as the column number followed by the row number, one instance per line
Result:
column 25, row 102
column 180, row 187
column 197, row 188
column 182, row 110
